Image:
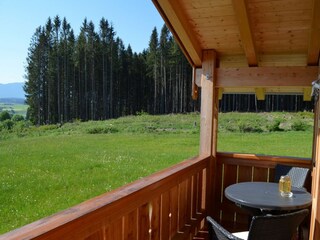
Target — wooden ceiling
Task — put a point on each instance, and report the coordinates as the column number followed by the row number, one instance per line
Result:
column 262, row 37
column 246, row 32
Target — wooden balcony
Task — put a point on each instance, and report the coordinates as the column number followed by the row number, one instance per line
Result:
column 173, row 203
column 170, row 204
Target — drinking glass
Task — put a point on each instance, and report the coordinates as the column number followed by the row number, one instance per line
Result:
column 285, row 186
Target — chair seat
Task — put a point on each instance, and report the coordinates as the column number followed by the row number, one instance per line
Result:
column 242, row 235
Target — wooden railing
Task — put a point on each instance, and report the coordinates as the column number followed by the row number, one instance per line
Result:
column 167, row 205
column 170, row 204
column 232, row 168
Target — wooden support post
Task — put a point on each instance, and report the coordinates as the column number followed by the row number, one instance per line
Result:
column 209, row 122
column 315, row 211
column 208, row 99
column 314, row 233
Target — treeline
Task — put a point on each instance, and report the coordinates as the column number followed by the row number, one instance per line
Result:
column 272, row 103
column 94, row 76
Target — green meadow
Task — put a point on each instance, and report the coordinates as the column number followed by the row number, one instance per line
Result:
column 14, row 108
column 46, row 169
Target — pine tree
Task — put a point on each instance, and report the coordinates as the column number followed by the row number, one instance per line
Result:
column 50, row 76
column 36, row 73
column 164, row 55
column 72, row 76
column 91, row 50
column 153, row 66
column 56, row 25
column 65, row 75
column 104, row 29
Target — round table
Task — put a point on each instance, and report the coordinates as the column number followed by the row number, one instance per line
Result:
column 266, row 196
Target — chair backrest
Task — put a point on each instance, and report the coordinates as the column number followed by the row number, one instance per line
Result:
column 298, row 175
column 276, row 227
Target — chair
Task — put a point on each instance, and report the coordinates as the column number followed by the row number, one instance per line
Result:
column 298, row 175
column 275, row 227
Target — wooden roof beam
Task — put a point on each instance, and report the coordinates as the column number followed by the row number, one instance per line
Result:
column 314, row 42
column 240, row 8
column 262, row 77
column 179, row 26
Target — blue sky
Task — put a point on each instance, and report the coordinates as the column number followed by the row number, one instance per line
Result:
column 133, row 21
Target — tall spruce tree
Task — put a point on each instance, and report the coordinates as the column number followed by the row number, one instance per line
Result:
column 164, row 48
column 153, row 65
column 104, row 51
column 31, row 86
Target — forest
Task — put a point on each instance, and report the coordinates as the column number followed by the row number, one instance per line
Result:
column 93, row 76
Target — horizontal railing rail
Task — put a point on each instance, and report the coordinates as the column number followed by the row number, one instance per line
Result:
column 169, row 204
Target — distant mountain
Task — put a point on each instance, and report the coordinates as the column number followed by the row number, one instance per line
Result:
column 12, row 90
column 12, row 101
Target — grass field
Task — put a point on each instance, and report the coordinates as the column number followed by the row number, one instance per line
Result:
column 297, row 144
column 14, row 108
column 50, row 168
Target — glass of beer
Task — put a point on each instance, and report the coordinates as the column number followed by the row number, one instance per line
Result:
column 285, row 186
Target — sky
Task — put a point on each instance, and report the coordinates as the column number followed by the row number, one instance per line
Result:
column 133, row 21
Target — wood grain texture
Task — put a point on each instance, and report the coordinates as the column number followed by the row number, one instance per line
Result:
column 207, row 101
column 240, row 8
column 266, row 77
column 249, row 28
column 315, row 187
column 314, row 42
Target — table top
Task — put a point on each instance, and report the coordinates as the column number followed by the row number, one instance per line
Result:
column 266, row 196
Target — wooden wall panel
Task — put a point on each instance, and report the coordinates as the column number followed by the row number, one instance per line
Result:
column 200, row 196
column 218, row 190
column 131, row 225
column 114, row 230
column 144, row 222
column 260, row 174
column 194, row 195
column 189, row 201
column 155, row 217
column 96, row 236
column 229, row 178
column 173, row 211
column 245, row 174
column 165, row 216
column 271, row 174
column 183, row 204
